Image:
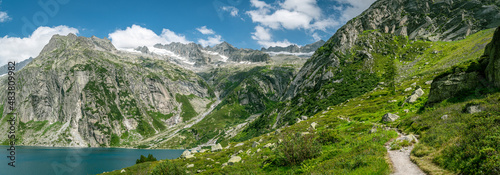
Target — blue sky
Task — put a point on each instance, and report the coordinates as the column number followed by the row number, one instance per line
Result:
column 25, row 26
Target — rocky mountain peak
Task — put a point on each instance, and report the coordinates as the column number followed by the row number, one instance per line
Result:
column 71, row 40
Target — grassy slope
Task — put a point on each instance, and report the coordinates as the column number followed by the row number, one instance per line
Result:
column 352, row 150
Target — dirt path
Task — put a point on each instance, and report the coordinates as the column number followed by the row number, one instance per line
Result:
column 402, row 165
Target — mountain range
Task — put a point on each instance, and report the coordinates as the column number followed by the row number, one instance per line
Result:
column 420, row 60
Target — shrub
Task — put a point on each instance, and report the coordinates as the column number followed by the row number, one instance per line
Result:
column 168, row 168
column 150, row 158
column 293, row 150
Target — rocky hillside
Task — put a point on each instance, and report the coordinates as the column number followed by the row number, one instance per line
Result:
column 19, row 66
column 295, row 49
column 83, row 92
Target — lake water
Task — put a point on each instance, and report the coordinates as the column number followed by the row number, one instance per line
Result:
column 74, row 161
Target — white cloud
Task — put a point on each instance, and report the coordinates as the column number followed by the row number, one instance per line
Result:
column 261, row 33
column 268, row 44
column 4, row 17
column 205, row 31
column 259, row 4
column 316, row 37
column 135, row 36
column 263, row 36
column 353, row 8
column 232, row 10
column 290, row 15
column 210, row 41
column 19, row 49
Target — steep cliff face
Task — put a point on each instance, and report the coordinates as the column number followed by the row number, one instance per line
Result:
column 83, row 92
column 492, row 54
column 238, row 55
column 426, row 19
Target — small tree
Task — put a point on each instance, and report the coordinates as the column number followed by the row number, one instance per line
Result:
column 143, row 159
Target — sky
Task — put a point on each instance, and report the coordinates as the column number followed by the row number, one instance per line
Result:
column 26, row 25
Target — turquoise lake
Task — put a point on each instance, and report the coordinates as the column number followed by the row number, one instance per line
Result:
column 74, row 161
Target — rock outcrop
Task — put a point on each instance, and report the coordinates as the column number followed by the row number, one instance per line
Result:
column 460, row 82
column 389, row 117
column 82, row 92
column 296, row 49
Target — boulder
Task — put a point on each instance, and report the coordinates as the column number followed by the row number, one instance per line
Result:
column 444, row 117
column 269, row 145
column 189, row 156
column 473, row 109
column 185, row 153
column 415, row 95
column 123, row 171
column 313, row 125
column 233, row 160
column 255, row 144
column 239, row 144
column 453, row 84
column 190, row 166
column 303, row 117
column 217, row 147
column 389, row 117
column 373, row 130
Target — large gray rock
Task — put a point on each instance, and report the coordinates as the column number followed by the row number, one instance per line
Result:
column 216, row 147
column 389, row 117
column 185, row 154
column 452, row 85
column 233, row 160
column 415, row 95
column 492, row 53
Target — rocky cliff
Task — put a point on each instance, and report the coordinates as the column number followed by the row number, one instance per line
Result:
column 426, row 19
column 83, row 92
column 470, row 78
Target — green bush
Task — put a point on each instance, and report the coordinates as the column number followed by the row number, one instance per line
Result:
column 143, row 159
column 293, row 150
column 168, row 168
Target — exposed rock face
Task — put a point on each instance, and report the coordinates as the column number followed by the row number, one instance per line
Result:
column 19, row 66
column 233, row 160
column 454, row 84
column 88, row 93
column 296, row 49
column 191, row 51
column 389, row 117
column 426, row 19
column 217, row 147
column 492, row 53
column 239, row 55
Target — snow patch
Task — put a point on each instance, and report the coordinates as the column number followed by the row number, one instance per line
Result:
column 290, row 53
column 224, row 58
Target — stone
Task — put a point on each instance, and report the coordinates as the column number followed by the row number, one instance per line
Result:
column 203, row 150
column 255, row 144
column 392, row 101
column 269, row 145
column 239, row 144
column 452, row 85
column 409, row 138
column 185, row 153
column 313, row 125
column 444, row 117
column 249, row 152
column 189, row 156
column 406, row 110
column 123, row 171
column 373, row 130
column 428, row 82
column 389, row 117
column 303, row 117
column 258, row 150
column 408, row 89
column 240, row 151
column 210, row 159
column 190, row 166
column 233, row 160
column 473, row 109
column 304, row 133
column 414, row 97
column 216, row 147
